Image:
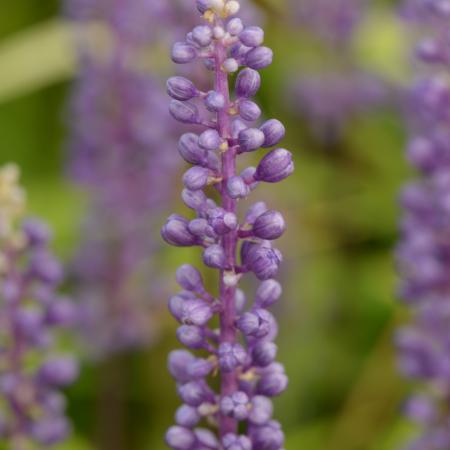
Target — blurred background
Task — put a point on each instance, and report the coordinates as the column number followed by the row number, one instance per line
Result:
column 337, row 84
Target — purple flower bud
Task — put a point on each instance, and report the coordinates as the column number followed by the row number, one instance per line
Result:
column 202, row 35
column 235, row 405
column 237, row 187
column 275, row 166
column 236, row 127
column 201, row 229
column 259, row 58
column 191, row 336
column 250, row 139
column 190, row 150
column 248, row 83
column 45, row 267
column 187, row 416
column 231, row 356
column 181, row 88
column 59, row 371
column 176, row 232
column 269, row 225
column 210, row 140
column 214, row 257
column 264, row 353
column 189, row 278
column 184, row 112
column 195, row 200
column 200, row 368
column 29, row 322
column 183, row 53
column 194, row 393
column 240, row 300
column 203, row 5
column 222, row 221
column 214, row 101
column 267, row 437
column 254, row 212
column 268, row 293
column 263, row 260
column 36, row 232
column 256, row 323
column 249, row 110
column 274, row 132
column 50, row 431
column 61, row 312
column 234, row 442
column 261, row 411
column 235, row 26
column 178, row 362
column 252, row 36
column 180, row 438
column 196, row 312
column 196, row 178
column 206, row 439
column 273, row 381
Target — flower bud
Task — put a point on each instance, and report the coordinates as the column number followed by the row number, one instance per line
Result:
column 195, row 200
column 61, row 312
column 270, row 225
column 264, row 353
column 252, row 36
column 206, row 439
column 254, row 212
column 202, row 35
column 191, row 336
column 256, row 323
column 235, row 405
column 261, row 259
column 200, row 368
column 60, row 371
column 183, row 53
column 261, row 410
column 203, row 5
column 274, row 132
column 187, row 416
column 273, row 381
column 210, row 140
column 45, row 267
column 249, row 110
column 181, row 88
column 222, row 221
column 178, row 362
column 48, row 432
column 180, row 438
column 237, row 125
column 251, row 139
column 234, row 442
column 248, row 83
column 196, row 312
column 196, row 178
column 268, row 437
column 184, row 112
column 235, row 27
column 194, row 393
column 275, row 166
column 259, row 58
column 268, row 292
column 189, row 278
column 214, row 257
column 231, row 356
column 36, row 232
column 176, row 232
column 190, row 150
column 214, row 101
column 237, row 188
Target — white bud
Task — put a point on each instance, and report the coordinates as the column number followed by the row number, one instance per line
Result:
column 230, row 65
column 218, row 33
column 232, row 7
column 235, row 27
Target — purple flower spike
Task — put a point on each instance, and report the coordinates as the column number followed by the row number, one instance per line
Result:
column 421, row 252
column 32, row 316
column 242, row 350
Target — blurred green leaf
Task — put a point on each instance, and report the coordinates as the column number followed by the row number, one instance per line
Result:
column 34, row 58
column 75, row 443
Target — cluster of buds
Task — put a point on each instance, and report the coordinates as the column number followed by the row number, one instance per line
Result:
column 31, row 369
column 424, row 250
column 242, row 351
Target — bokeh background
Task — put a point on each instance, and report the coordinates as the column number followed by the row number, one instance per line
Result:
column 340, row 309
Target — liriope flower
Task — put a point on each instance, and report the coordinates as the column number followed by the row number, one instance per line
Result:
column 241, row 352
column 32, row 370
column 424, row 250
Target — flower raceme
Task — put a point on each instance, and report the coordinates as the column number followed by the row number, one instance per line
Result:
column 242, row 351
column 31, row 312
